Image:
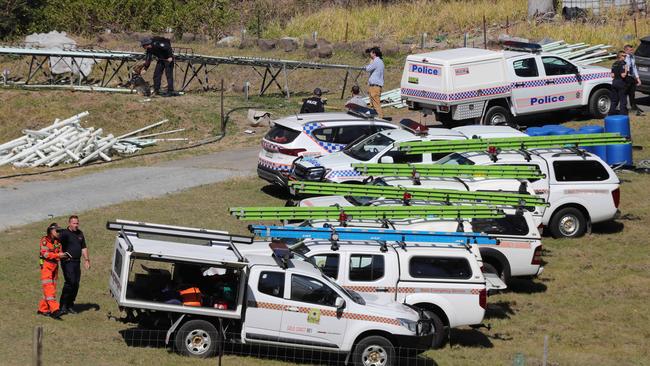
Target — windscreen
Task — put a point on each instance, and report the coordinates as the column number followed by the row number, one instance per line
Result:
column 455, row 159
column 368, row 148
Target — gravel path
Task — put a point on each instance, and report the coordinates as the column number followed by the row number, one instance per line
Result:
column 23, row 203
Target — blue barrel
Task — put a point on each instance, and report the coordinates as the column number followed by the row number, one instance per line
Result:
column 560, row 130
column 536, row 131
column 601, row 150
column 619, row 154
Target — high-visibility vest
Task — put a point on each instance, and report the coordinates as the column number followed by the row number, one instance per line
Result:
column 47, row 247
column 191, row 296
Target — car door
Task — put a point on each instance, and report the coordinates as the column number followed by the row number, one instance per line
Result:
column 527, row 81
column 310, row 316
column 371, row 273
column 264, row 305
column 563, row 87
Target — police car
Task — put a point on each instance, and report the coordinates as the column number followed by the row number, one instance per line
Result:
column 382, row 147
column 580, row 188
column 493, row 87
column 274, row 300
column 310, row 135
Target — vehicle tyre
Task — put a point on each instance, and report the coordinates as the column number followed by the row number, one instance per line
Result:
column 439, row 330
column 197, row 338
column 600, row 102
column 497, row 115
column 504, row 273
column 374, row 351
column 569, row 222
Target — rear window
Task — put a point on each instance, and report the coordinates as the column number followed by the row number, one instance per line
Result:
column 509, row 225
column 440, row 267
column 579, row 171
column 643, row 50
column 366, row 267
column 117, row 266
column 281, row 134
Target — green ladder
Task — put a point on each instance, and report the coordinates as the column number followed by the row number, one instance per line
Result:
column 426, row 194
column 512, row 143
column 453, row 171
column 357, row 213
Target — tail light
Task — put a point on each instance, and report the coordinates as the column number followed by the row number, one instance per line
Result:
column 482, row 298
column 537, row 256
column 292, row 152
column 616, row 195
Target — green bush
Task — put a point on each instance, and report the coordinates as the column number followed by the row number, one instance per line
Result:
column 16, row 16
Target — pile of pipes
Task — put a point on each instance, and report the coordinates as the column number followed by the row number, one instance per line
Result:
column 390, row 98
column 580, row 53
column 66, row 142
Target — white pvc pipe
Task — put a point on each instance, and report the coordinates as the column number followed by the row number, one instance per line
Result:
column 96, row 152
column 142, row 129
column 159, row 133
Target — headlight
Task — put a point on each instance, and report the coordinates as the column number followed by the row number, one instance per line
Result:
column 411, row 325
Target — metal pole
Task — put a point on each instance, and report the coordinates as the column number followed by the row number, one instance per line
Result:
column 484, row 32
column 636, row 33
column 346, row 31
column 286, row 80
column 223, row 117
column 465, row 40
column 37, row 346
column 345, row 82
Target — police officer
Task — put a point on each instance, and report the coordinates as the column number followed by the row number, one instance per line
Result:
column 73, row 242
column 50, row 255
column 162, row 49
column 313, row 104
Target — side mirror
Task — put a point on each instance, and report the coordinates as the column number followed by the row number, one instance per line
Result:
column 339, row 303
column 386, row 160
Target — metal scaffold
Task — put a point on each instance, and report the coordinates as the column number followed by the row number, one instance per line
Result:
column 114, row 65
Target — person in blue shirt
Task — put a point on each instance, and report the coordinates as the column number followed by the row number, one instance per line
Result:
column 375, row 70
column 619, row 85
column 633, row 80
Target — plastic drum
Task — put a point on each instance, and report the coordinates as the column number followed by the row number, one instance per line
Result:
column 601, row 150
column 536, row 131
column 619, row 154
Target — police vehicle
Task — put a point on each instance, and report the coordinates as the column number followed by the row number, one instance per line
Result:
column 199, row 286
column 493, row 87
column 382, row 147
column 311, row 134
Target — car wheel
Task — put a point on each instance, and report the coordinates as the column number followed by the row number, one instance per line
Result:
column 374, row 351
column 439, row 330
column 497, row 115
column 568, row 223
column 600, row 102
column 503, row 274
column 197, row 338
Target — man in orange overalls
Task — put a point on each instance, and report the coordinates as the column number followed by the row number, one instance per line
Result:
column 51, row 254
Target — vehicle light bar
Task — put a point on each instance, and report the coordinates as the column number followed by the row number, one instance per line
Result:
column 387, row 235
column 426, row 194
column 376, row 212
column 460, row 171
column 512, row 143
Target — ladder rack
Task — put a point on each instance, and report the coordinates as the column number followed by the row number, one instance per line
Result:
column 512, row 143
column 427, row 194
column 371, row 212
column 177, row 231
column 454, row 171
column 386, row 235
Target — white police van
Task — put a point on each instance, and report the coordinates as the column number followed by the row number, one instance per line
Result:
column 198, row 284
column 492, row 87
column 382, row 147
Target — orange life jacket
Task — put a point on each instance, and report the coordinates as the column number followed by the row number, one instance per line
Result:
column 49, row 250
column 191, row 296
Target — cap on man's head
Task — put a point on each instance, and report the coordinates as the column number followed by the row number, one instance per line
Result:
column 52, row 226
column 355, row 89
column 145, row 41
column 318, row 92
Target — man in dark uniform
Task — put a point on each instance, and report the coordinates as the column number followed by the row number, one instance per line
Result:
column 313, row 104
column 73, row 242
column 162, row 49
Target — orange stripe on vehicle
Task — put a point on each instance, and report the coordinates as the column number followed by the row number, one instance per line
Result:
column 514, row 244
column 330, row 313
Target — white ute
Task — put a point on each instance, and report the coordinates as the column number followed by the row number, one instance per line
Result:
column 492, row 87
column 580, row 188
column 199, row 284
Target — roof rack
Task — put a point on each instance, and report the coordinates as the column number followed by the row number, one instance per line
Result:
column 439, row 170
column 522, row 46
column 447, row 196
column 362, row 234
column 512, row 143
column 349, row 213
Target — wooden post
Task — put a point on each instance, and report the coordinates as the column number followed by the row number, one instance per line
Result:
column 259, row 25
column 484, row 32
column 347, row 24
column 223, row 117
column 507, row 25
column 636, row 32
column 37, row 346
column 286, row 80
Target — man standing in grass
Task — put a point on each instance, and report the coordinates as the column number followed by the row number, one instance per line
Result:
column 633, row 80
column 73, row 242
column 162, row 49
column 376, row 79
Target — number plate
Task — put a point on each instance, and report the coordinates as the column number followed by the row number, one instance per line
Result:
column 268, row 154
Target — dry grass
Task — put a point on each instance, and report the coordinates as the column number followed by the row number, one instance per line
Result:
column 590, row 301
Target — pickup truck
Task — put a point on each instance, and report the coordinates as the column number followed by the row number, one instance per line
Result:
column 198, row 283
column 492, row 87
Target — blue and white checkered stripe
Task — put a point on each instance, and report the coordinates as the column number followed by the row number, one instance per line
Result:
column 274, row 166
column 330, row 147
column 311, row 161
column 480, row 92
column 424, row 94
column 560, row 80
column 343, row 173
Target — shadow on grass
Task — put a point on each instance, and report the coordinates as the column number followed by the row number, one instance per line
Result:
column 526, row 286
column 608, row 227
column 83, row 307
column 499, row 310
column 469, row 338
column 276, row 191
